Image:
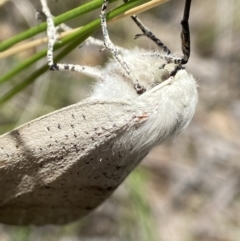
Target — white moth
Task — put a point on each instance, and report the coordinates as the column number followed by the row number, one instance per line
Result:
column 59, row 167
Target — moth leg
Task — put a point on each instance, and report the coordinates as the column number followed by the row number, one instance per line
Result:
column 52, row 38
column 97, row 42
column 89, row 41
column 146, row 32
column 185, row 37
column 112, row 48
column 150, row 35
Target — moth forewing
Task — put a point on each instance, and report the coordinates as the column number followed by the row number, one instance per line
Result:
column 59, row 167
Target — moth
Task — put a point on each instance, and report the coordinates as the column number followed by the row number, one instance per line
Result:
column 61, row 166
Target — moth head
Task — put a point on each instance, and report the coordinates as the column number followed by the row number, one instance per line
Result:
column 161, row 75
column 166, row 71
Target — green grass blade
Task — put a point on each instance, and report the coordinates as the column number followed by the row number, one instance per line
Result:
column 76, row 12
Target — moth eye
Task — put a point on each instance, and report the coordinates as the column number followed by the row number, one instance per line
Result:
column 161, row 75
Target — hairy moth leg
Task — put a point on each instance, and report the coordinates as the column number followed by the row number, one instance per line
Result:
column 147, row 32
column 185, row 37
column 112, row 48
column 52, row 37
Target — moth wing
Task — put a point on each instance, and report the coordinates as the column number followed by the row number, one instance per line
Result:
column 59, row 167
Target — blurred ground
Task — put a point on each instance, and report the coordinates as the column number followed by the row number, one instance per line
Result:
column 187, row 189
